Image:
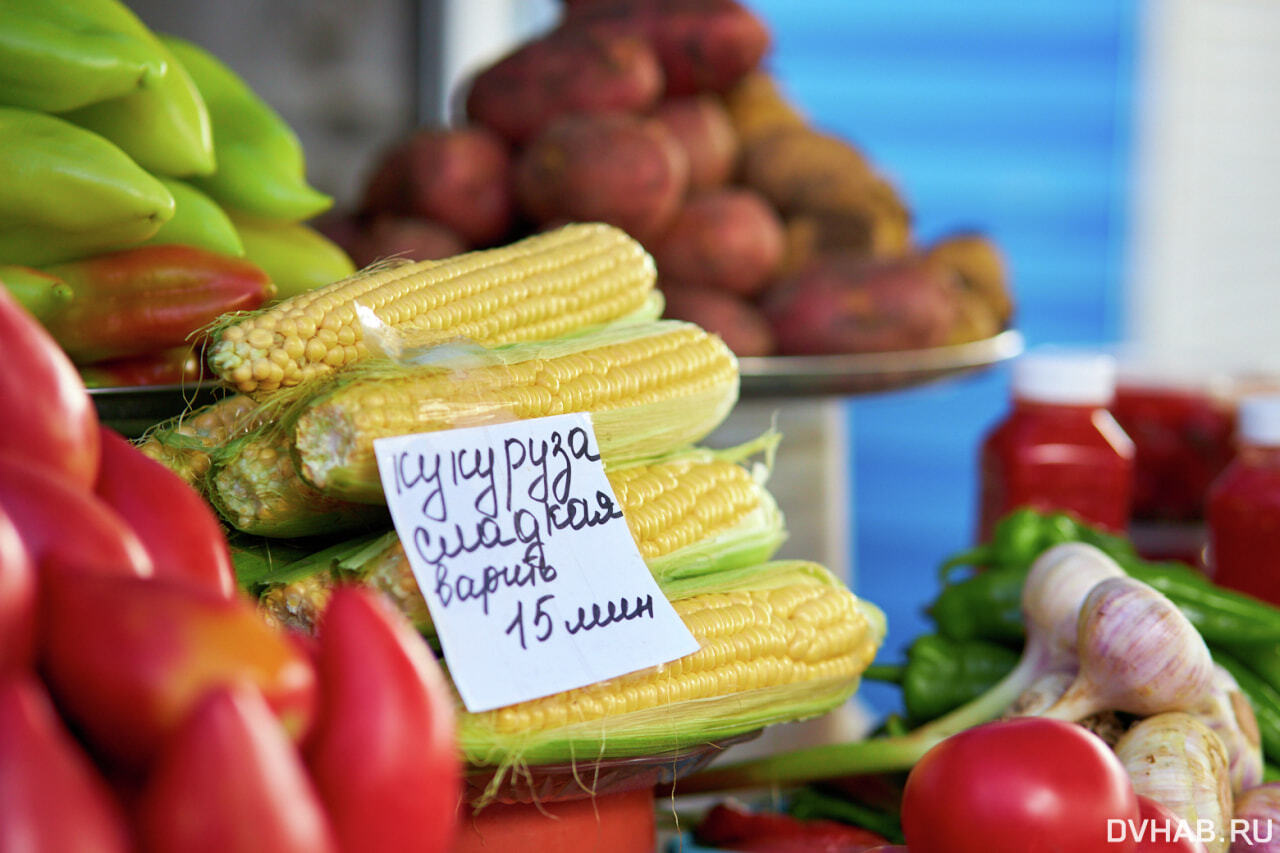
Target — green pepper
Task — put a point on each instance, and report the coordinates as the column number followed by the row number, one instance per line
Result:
column 942, row 673
column 808, row 804
column 296, row 256
column 1220, row 615
column 261, row 169
column 1263, row 659
column 1264, row 698
column 987, row 606
column 66, row 193
column 42, row 294
column 197, row 222
column 164, row 127
column 53, row 58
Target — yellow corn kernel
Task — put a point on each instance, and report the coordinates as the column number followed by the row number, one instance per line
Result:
column 539, row 288
column 650, row 390
column 183, row 446
column 298, row 605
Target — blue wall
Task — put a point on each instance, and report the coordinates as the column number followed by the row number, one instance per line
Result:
column 1008, row 116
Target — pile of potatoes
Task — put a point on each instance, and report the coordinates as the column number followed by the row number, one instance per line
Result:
column 657, row 116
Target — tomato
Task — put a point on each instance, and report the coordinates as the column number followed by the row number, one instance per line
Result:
column 1159, row 830
column 17, row 599
column 1026, row 785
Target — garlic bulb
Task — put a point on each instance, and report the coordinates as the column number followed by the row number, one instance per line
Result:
column 1229, row 714
column 1255, row 826
column 1137, row 653
column 1176, row 760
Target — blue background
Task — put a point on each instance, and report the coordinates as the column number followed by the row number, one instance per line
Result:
column 1002, row 115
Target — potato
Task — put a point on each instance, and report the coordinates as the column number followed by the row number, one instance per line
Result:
column 727, row 239
column 981, row 267
column 702, row 45
column 702, row 127
column 847, row 303
column 738, row 323
column 757, row 107
column 608, row 167
column 799, row 169
column 413, row 239
column 458, row 177
column 875, row 224
column 575, row 70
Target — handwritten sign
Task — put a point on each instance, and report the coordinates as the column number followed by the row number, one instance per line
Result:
column 521, row 551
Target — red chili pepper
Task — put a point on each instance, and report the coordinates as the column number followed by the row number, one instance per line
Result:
column 64, row 526
column 17, row 600
column 128, row 658
column 50, row 418
column 150, row 298
column 230, row 781
column 382, row 752
column 176, row 366
column 176, row 526
column 53, row 801
column 729, row 825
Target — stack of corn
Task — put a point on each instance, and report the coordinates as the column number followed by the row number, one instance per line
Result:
column 560, row 322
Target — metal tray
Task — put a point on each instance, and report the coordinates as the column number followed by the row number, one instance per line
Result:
column 132, row 411
column 869, row 373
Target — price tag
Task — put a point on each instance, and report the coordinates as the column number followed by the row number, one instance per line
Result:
column 521, row 551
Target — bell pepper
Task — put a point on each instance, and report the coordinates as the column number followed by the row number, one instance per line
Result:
column 149, row 298
column 297, row 257
column 175, row 366
column 382, row 753
column 942, row 673
column 41, row 294
column 129, row 658
column 176, row 526
column 65, row 527
column 52, row 420
column 66, row 193
column 261, row 168
column 51, row 798
column 164, row 127
column 230, row 781
column 17, row 600
column 198, row 221
column 53, row 59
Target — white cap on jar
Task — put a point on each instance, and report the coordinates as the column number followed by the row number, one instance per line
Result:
column 1066, row 378
column 1260, row 419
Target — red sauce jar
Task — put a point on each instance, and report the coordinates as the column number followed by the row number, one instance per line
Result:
column 1244, row 506
column 1059, row 448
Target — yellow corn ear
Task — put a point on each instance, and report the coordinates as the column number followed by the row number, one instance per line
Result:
column 542, row 287
column 650, row 388
column 778, row 642
column 184, row 445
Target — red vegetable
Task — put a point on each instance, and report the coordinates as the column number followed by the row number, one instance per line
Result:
column 382, row 752
column 231, row 782
column 1015, row 786
column 128, row 658
column 174, row 366
column 51, row 799
column 176, row 526
column 149, row 298
column 64, row 526
column 51, row 419
column 729, row 825
column 17, row 599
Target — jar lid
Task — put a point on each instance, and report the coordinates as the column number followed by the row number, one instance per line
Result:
column 1260, row 419
column 1067, row 378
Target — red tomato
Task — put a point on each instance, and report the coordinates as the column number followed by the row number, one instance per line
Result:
column 17, row 599
column 1159, row 830
column 1027, row 785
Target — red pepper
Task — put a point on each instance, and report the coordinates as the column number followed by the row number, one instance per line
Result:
column 730, row 825
column 128, row 658
column 17, row 599
column 176, row 366
column 64, row 526
column 150, row 298
column 176, row 526
column 51, row 799
column 230, row 781
column 49, row 418
column 382, row 752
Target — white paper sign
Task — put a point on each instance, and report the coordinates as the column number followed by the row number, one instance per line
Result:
column 518, row 544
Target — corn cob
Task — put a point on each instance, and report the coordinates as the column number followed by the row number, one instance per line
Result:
column 184, row 445
column 692, row 514
column 539, row 288
column 779, row 642
column 650, row 389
